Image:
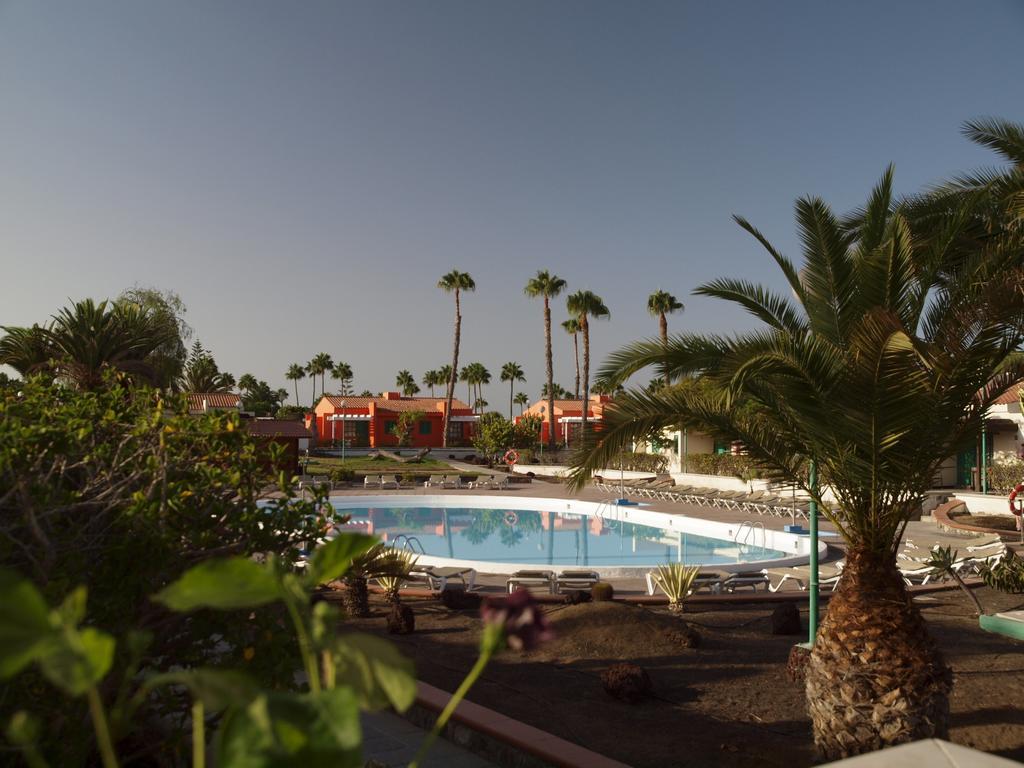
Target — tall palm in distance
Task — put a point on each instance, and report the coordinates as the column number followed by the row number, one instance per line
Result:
column 584, row 305
column 454, row 282
column 547, row 286
column 662, row 303
column 342, row 371
column 406, row 382
column 881, row 366
column 512, row 372
column 431, row 379
column 572, row 327
column 295, row 373
column 319, row 366
column 247, row 382
column 522, row 400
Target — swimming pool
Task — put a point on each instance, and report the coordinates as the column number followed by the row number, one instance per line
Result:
column 501, row 535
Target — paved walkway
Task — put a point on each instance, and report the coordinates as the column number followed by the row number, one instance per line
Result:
column 390, row 740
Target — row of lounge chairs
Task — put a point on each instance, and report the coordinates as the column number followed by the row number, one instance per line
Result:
column 555, row 583
column 757, row 502
column 912, row 561
column 718, row 582
column 493, row 482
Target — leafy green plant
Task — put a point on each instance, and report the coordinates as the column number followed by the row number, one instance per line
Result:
column 343, row 673
column 675, row 580
column 944, row 560
column 1007, row 575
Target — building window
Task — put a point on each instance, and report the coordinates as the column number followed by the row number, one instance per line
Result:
column 454, row 430
column 425, row 427
column 389, row 427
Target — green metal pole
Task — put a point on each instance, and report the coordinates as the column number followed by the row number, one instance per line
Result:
column 812, row 619
column 984, row 459
column 685, row 449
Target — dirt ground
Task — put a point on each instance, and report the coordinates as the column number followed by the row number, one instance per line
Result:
column 726, row 703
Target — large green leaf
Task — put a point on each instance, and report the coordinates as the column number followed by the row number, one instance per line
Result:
column 376, row 670
column 333, row 559
column 225, row 584
column 217, row 688
column 76, row 660
column 293, row 731
column 24, row 622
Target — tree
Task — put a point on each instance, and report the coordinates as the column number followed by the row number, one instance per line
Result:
column 547, row 286
column 880, row 367
column 201, row 373
column 406, row 382
column 82, row 341
column 343, row 373
column 259, row 397
column 247, row 382
column 167, row 310
column 319, row 366
column 584, row 305
column 432, row 379
column 151, row 491
column 572, row 327
column 402, row 429
column 454, row 282
column 295, row 373
column 511, row 372
column 522, row 400
column 481, row 376
column 556, row 392
column 659, row 304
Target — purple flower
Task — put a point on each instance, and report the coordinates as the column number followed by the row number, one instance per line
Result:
column 521, row 620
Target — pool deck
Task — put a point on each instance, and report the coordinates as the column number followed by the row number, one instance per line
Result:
column 636, row 587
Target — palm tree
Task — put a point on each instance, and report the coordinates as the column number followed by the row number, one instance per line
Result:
column 659, row 304
column 406, row 382
column 547, row 286
column 201, row 373
column 431, row 379
column 522, row 400
column 453, row 282
column 572, row 327
column 555, row 392
column 881, row 366
column 343, row 373
column 481, row 376
column 295, row 373
column 319, row 366
column 84, row 340
column 584, row 305
column 511, row 372
column 247, row 382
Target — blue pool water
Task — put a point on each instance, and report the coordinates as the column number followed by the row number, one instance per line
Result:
column 544, row 538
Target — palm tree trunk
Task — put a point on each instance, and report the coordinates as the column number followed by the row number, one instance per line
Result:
column 511, row 394
column 550, row 373
column 454, row 374
column 313, row 377
column 875, row 677
column 296, row 381
column 585, row 327
column 663, row 327
column 576, row 349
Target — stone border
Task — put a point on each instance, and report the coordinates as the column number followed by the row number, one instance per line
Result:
column 943, row 520
column 502, row 739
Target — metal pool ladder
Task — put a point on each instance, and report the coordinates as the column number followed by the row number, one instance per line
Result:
column 409, row 543
column 749, row 527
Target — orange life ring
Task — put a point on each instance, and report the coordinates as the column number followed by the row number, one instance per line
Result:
column 511, row 518
column 1015, row 506
column 511, row 456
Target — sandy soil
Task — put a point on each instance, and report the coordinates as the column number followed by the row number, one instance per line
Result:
column 726, row 703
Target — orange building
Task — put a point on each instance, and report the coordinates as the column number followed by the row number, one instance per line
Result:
column 367, row 422
column 568, row 416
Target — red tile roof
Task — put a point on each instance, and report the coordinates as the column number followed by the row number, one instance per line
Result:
column 213, row 400
column 1010, row 396
column 427, row 404
column 277, row 428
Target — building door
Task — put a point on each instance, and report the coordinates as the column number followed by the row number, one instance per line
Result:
column 361, row 438
column 967, row 461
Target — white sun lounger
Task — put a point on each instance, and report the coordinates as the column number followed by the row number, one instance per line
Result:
column 526, row 579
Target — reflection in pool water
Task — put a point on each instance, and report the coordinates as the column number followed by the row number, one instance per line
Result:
column 544, row 538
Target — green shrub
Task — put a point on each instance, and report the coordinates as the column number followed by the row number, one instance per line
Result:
column 643, row 462
column 602, row 591
column 722, row 464
column 1004, row 476
column 342, row 475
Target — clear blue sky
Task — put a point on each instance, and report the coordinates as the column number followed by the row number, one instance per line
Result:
column 303, row 173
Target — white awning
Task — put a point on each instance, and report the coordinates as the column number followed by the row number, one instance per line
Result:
column 349, row 417
column 464, row 418
column 577, row 419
